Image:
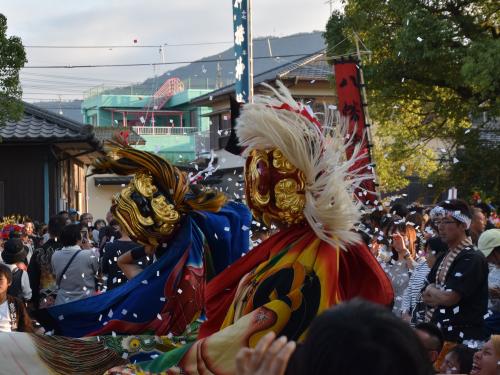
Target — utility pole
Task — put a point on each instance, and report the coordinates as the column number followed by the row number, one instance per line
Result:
column 218, row 75
column 250, row 53
column 331, row 5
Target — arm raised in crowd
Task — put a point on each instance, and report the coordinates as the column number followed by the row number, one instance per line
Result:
column 128, row 261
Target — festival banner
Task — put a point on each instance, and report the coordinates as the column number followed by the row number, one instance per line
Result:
column 350, row 104
column 241, row 70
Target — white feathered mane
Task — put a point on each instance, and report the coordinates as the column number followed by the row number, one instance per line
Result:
column 320, row 153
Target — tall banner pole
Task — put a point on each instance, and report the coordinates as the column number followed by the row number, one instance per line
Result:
column 352, row 104
column 242, row 50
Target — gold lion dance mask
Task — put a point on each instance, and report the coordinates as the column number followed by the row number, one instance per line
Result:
column 274, row 187
column 297, row 170
column 151, row 207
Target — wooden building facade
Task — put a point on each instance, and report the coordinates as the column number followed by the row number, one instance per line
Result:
column 44, row 160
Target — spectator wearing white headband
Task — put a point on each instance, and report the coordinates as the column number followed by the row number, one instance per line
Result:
column 457, row 286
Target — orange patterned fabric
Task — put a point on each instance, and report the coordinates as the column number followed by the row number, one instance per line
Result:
column 300, row 277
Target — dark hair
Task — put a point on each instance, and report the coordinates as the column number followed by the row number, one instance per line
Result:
column 114, row 222
column 71, row 235
column 99, row 221
column 63, row 212
column 56, row 225
column 4, row 270
column 457, row 205
column 434, row 332
column 437, row 246
column 415, row 218
column 465, row 356
column 376, row 216
column 400, row 209
column 386, row 344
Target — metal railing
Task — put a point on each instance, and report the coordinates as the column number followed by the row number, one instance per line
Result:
column 163, row 130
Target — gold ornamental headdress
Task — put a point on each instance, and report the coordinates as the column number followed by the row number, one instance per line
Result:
column 151, row 207
column 297, row 169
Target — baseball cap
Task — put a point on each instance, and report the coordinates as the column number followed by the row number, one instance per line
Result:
column 488, row 241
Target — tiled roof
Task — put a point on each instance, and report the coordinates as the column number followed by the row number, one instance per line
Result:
column 317, row 69
column 40, row 125
column 312, row 66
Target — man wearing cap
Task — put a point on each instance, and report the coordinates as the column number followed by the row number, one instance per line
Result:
column 457, row 290
column 14, row 255
column 73, row 216
column 489, row 245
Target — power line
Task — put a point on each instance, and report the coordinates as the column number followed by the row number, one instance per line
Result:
column 78, row 78
column 49, row 93
column 48, row 46
column 43, row 82
column 129, row 46
column 150, row 64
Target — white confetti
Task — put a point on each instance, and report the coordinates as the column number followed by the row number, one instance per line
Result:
column 456, row 310
column 144, row 282
column 419, row 39
column 179, row 291
column 124, row 312
column 430, row 185
column 162, row 299
column 110, row 313
column 134, row 315
column 244, row 228
column 227, row 229
column 458, row 274
column 61, row 317
column 159, row 316
column 455, row 160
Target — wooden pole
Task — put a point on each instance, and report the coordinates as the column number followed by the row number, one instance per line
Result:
column 364, row 105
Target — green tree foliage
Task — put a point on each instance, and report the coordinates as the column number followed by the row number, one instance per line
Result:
column 434, row 66
column 475, row 166
column 12, row 59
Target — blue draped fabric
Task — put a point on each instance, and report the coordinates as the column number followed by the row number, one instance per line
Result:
column 133, row 308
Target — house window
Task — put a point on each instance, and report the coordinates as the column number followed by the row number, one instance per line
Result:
column 224, row 129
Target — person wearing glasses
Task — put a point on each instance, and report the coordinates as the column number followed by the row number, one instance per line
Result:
column 457, row 286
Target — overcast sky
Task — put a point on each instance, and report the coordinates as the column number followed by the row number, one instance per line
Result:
column 150, row 22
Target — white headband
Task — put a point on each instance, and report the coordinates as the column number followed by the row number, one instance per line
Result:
column 439, row 212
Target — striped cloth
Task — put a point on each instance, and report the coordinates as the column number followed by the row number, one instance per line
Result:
column 413, row 292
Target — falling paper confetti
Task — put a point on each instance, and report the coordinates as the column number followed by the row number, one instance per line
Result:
column 455, row 160
column 419, row 39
